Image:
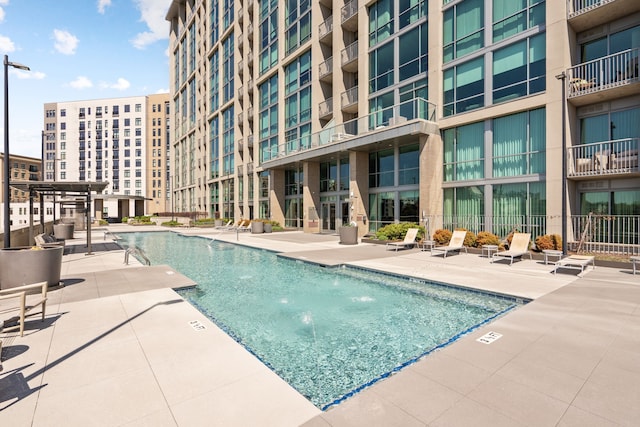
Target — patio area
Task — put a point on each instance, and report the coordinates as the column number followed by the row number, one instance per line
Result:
column 120, row 347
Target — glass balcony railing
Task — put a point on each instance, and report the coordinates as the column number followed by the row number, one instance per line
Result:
column 418, row 108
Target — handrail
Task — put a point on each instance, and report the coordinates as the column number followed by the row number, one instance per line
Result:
column 607, row 72
column 135, row 251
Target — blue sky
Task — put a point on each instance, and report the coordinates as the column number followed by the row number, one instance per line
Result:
column 76, row 50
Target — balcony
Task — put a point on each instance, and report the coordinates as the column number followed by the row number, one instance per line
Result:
column 325, row 109
column 349, row 14
column 250, row 32
column 618, row 158
column 410, row 113
column 325, row 70
column 240, row 68
column 250, row 141
column 240, row 170
column 325, row 31
column 249, row 168
column 349, row 100
column 250, row 57
column 349, row 57
column 240, row 93
column 603, row 79
column 585, row 14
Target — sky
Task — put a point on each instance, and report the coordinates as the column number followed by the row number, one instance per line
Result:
column 78, row 50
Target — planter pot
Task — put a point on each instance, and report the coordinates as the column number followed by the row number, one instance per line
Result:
column 217, row 223
column 257, row 227
column 23, row 266
column 348, row 235
column 268, row 228
column 63, row 231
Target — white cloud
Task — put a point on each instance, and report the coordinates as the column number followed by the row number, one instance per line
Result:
column 162, row 91
column 120, row 84
column 66, row 43
column 2, row 13
column 102, row 5
column 6, row 45
column 152, row 15
column 81, row 82
column 27, row 75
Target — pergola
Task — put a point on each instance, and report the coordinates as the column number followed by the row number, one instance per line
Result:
column 60, row 189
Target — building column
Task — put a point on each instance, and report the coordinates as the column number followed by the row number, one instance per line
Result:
column 431, row 173
column 276, row 195
column 359, row 190
column 311, row 197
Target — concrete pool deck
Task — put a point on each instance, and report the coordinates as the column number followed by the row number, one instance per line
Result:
column 119, row 347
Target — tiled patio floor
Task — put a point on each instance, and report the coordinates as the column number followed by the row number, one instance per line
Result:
column 118, row 348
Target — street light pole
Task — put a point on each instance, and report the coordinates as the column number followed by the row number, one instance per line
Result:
column 7, row 195
column 562, row 77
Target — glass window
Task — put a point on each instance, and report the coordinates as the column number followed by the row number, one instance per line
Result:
column 464, row 87
column 519, row 69
column 268, row 34
column 463, row 28
column 411, row 11
column 381, row 67
column 461, row 203
column 409, row 165
column 519, row 144
column 380, row 21
column 511, row 17
column 464, row 152
column 381, row 168
column 413, row 55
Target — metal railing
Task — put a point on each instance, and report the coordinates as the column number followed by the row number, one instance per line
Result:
column 349, row 97
column 611, row 234
column 325, row 108
column 325, row 27
column 578, row 7
column 418, row 108
column 603, row 158
column 325, row 68
column 136, row 252
column 349, row 9
column 607, row 72
column 350, row 53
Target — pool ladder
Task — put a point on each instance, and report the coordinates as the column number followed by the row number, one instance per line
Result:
column 135, row 251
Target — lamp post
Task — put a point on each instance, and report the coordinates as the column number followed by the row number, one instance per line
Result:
column 7, row 195
column 562, row 77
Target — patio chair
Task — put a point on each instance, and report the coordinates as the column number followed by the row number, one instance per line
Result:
column 24, row 306
column 245, row 225
column 455, row 244
column 576, row 262
column 519, row 246
column 225, row 226
column 409, row 240
column 47, row 240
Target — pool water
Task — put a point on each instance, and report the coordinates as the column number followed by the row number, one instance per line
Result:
column 328, row 332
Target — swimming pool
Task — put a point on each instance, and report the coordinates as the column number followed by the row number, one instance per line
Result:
column 328, row 332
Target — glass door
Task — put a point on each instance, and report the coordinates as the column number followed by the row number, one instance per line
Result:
column 328, row 216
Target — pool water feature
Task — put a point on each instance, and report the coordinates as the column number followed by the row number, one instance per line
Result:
column 328, row 332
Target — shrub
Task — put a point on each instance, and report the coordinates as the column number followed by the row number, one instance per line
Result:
column 125, row 219
column 398, row 231
column 204, row 221
column 172, row 223
column 103, row 222
column 549, row 241
column 486, row 238
column 442, row 236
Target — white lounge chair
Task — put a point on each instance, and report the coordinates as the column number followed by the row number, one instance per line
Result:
column 455, row 244
column 23, row 306
column 576, row 262
column 409, row 240
column 519, row 246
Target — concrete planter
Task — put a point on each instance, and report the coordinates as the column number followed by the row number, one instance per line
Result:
column 217, row 223
column 257, row 227
column 23, row 266
column 268, row 228
column 63, row 231
column 348, row 235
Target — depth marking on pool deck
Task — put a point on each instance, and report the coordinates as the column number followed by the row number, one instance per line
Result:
column 197, row 326
column 489, row 337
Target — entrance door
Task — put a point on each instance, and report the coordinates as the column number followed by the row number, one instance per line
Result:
column 328, row 215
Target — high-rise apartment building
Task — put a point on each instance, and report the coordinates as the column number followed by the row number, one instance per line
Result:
column 122, row 141
column 319, row 113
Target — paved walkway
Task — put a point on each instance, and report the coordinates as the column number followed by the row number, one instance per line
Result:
column 119, row 347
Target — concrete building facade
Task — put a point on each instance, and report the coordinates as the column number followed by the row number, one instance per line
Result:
column 116, row 140
column 448, row 113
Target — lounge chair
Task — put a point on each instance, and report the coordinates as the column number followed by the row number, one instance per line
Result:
column 409, row 240
column 245, row 225
column 519, row 246
column 24, row 306
column 225, row 226
column 455, row 244
column 576, row 262
column 47, row 240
